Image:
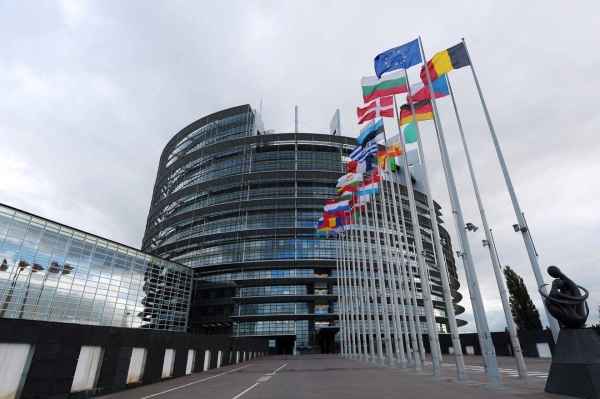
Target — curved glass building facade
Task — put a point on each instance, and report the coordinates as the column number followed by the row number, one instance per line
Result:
column 240, row 207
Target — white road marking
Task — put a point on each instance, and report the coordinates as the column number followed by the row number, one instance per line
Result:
column 510, row 372
column 195, row 382
column 279, row 368
column 261, row 379
column 236, row 397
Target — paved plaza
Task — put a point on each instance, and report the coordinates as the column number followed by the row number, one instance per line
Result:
column 330, row 376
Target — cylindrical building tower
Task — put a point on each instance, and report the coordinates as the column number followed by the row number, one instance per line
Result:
column 240, row 204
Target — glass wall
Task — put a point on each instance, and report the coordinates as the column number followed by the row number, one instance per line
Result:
column 55, row 273
column 241, row 210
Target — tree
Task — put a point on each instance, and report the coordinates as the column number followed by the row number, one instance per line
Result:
column 524, row 312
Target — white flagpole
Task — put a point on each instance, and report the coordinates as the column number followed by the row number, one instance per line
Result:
column 337, row 266
column 366, row 287
column 513, row 196
column 374, row 290
column 512, row 331
column 404, row 344
column 411, row 294
column 361, row 297
column 384, row 307
column 495, row 378
column 350, row 298
column 349, row 323
column 399, row 259
column 391, row 280
column 356, row 299
column 411, row 298
column 414, row 288
column 425, row 289
column 458, row 355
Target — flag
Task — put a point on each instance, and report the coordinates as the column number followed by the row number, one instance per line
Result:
column 362, row 165
column 345, row 196
column 378, row 108
column 325, row 232
column 333, row 208
column 373, row 133
column 351, row 188
column 393, row 166
column 420, row 91
column 356, row 153
column 410, row 133
column 395, row 150
column 375, row 178
column 382, row 157
column 351, row 167
column 349, row 178
column 401, row 57
column 372, row 188
column 443, row 62
column 423, row 112
column 370, row 149
column 390, row 84
column 347, row 187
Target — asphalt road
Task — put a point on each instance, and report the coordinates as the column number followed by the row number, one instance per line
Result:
column 330, row 376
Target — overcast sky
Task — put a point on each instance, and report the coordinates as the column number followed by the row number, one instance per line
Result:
column 90, row 92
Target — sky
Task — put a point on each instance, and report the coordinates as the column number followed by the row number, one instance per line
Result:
column 91, row 92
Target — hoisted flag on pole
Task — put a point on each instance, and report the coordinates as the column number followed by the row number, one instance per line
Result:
column 395, row 150
column 356, row 153
column 401, row 57
column 388, row 85
column 423, row 112
column 410, row 133
column 349, row 178
column 378, row 108
column 372, row 133
column 420, row 91
column 443, row 62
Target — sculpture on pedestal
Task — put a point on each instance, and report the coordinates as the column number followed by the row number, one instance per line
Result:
column 565, row 302
column 575, row 368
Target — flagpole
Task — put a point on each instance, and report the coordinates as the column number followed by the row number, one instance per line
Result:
column 337, row 267
column 347, row 305
column 432, row 329
column 374, row 290
column 513, row 196
column 438, row 250
column 396, row 268
column 351, row 301
column 413, row 314
column 414, row 288
column 366, row 288
column 430, row 318
column 399, row 257
column 495, row 378
column 386, row 320
column 358, row 299
column 512, row 331
column 391, row 280
column 411, row 295
column 360, row 289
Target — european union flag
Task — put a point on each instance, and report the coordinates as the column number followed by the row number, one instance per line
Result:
column 402, row 57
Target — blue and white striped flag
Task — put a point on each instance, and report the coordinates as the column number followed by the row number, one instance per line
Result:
column 356, row 153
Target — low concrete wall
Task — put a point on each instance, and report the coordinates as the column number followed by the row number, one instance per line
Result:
column 56, row 348
column 501, row 341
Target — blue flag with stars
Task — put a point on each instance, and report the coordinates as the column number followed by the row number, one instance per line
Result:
column 402, row 57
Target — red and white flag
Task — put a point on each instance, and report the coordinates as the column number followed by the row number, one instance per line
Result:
column 377, row 108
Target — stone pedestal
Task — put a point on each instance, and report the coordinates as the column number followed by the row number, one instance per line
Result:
column 575, row 368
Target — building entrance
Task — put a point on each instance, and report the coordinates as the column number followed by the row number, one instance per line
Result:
column 284, row 346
